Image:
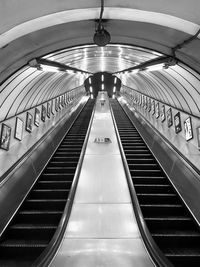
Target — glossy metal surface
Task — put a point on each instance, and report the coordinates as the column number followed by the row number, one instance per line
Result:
column 102, row 229
column 102, row 253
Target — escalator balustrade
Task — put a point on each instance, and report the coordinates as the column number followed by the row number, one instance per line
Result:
column 36, row 221
column 169, row 221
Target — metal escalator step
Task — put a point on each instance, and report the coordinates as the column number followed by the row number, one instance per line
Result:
column 130, row 155
column 144, row 166
column 162, row 210
column 153, row 188
column 44, row 204
column 141, row 161
column 146, row 172
column 60, row 163
column 136, row 151
column 53, row 184
column 65, row 158
column 157, row 198
column 49, row 193
column 68, row 177
column 151, row 180
column 30, row 232
column 60, row 169
column 67, row 153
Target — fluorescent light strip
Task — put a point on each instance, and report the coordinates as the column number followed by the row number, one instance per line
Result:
column 49, row 68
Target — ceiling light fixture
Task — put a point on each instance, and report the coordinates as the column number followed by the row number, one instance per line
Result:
column 101, row 36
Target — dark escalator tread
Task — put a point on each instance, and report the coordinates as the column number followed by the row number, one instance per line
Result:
column 172, row 226
column 35, row 223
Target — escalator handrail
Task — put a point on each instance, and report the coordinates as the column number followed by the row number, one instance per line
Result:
column 157, row 256
column 35, row 146
column 48, row 254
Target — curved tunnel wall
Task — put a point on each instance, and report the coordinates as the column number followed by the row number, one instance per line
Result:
column 53, row 95
column 29, row 87
column 177, row 86
column 145, row 96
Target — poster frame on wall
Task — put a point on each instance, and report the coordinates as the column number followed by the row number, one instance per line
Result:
column 169, row 117
column 29, row 122
column 162, row 113
column 188, row 129
column 5, row 136
column 19, row 129
column 177, row 123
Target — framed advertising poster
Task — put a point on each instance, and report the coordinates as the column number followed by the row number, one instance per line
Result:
column 149, row 104
column 29, row 122
column 188, row 129
column 162, row 113
column 60, row 102
column 56, row 104
column 153, row 107
column 145, row 102
column 18, row 129
column 37, row 117
column 198, row 137
column 43, row 113
column 140, row 100
column 157, row 110
column 5, row 136
column 65, row 99
column 52, row 108
column 169, row 118
column 177, row 123
column 48, row 109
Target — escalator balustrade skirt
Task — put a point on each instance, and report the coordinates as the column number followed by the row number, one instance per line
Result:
column 36, row 221
column 169, row 221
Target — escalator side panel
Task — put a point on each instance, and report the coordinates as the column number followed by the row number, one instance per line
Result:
column 169, row 221
column 36, row 221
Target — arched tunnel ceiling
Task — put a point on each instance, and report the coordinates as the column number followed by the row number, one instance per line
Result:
column 140, row 30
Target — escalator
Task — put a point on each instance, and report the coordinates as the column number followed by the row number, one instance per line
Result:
column 36, row 221
column 169, row 221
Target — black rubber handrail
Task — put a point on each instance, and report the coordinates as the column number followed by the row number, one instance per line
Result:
column 37, row 143
column 27, row 154
column 47, row 255
column 157, row 256
column 180, row 156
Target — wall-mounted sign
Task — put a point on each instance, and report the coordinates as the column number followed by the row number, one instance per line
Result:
column 177, row 123
column 29, row 122
column 157, row 110
column 52, row 108
column 44, row 113
column 198, row 137
column 102, row 140
column 188, row 129
column 149, row 104
column 19, row 128
column 48, row 109
column 162, row 113
column 153, row 107
column 37, row 117
column 5, row 136
column 169, row 118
